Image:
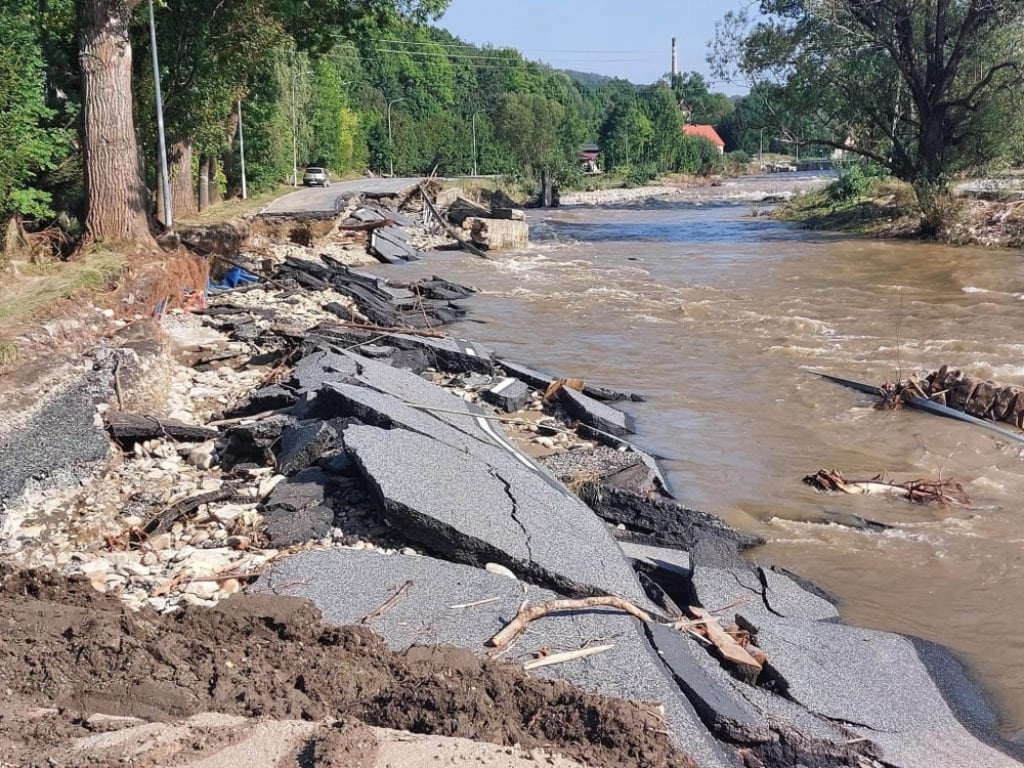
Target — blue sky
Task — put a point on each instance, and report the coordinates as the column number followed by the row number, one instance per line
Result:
column 623, row 38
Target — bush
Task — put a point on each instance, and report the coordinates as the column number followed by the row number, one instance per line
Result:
column 852, row 184
column 638, row 175
column 738, row 157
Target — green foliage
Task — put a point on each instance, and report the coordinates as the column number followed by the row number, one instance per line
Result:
column 851, row 184
column 638, row 175
column 29, row 145
column 925, row 88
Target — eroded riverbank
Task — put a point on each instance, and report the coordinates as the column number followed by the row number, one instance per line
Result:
column 384, row 432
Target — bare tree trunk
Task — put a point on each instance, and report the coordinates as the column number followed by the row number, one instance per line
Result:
column 204, row 181
column 117, row 202
column 183, row 193
column 214, row 187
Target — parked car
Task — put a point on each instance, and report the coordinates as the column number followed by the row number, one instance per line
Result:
column 316, row 176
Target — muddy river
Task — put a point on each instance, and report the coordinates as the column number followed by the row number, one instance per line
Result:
column 721, row 317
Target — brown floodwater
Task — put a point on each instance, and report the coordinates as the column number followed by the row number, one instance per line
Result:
column 721, row 317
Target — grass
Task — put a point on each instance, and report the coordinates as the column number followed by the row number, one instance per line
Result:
column 37, row 290
column 236, row 206
column 887, row 209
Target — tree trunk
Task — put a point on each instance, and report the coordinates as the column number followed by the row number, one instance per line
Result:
column 183, row 193
column 117, row 202
column 214, row 194
column 204, row 181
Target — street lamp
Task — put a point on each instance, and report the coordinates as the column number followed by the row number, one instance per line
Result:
column 760, row 151
column 391, row 145
column 295, row 128
column 165, row 183
column 474, row 143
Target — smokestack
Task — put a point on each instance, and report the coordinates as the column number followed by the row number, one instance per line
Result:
column 675, row 59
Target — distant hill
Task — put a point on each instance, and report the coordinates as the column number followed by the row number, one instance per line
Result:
column 588, row 79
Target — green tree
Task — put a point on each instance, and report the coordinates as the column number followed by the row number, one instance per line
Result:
column 926, row 88
column 28, row 145
column 529, row 124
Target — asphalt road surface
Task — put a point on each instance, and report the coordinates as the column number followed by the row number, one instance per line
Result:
column 310, row 201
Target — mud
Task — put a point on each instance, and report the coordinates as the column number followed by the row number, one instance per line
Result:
column 64, row 645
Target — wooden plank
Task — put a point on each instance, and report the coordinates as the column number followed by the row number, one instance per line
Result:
column 723, row 641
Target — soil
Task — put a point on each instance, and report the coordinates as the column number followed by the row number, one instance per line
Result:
column 64, row 645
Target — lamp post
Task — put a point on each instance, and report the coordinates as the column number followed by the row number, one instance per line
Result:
column 474, row 143
column 391, row 145
column 760, row 150
column 295, row 127
column 165, row 180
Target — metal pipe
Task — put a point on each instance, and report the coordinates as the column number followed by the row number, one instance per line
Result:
column 164, row 178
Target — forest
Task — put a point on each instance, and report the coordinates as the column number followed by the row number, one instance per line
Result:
column 353, row 85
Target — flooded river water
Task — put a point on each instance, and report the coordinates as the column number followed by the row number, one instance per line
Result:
column 720, row 317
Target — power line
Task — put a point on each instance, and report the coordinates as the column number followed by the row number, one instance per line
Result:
column 513, row 48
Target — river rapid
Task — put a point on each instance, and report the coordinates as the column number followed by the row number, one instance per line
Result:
column 720, row 317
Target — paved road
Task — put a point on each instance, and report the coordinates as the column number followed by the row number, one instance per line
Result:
column 312, row 201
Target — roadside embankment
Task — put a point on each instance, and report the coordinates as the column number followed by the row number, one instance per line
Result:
column 331, row 508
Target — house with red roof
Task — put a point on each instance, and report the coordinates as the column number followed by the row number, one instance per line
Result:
column 706, row 132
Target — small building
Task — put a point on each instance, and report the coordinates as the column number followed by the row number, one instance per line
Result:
column 706, row 132
column 588, row 158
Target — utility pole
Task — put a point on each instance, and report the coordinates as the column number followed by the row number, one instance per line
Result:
column 165, row 180
column 241, row 151
column 675, row 59
column 474, row 143
column 391, row 144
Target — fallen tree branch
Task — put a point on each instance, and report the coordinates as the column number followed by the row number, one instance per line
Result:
column 528, row 613
column 704, row 626
column 561, row 658
column 388, row 604
column 919, row 491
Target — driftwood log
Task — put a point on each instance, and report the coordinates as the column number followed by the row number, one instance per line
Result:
column 919, row 491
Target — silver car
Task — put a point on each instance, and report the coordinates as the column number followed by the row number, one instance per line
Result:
column 316, row 176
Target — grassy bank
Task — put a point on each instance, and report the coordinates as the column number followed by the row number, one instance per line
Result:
column 887, row 208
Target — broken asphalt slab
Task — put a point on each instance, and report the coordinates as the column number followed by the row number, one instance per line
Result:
column 774, row 729
column 474, row 512
column 595, row 415
column 877, row 684
column 668, row 523
column 447, row 603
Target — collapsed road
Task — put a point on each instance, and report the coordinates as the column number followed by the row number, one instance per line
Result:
column 362, row 459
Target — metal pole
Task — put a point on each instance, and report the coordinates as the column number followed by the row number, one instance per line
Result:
column 474, row 143
column 391, row 145
column 164, row 178
column 241, row 151
column 295, row 151
column 760, row 150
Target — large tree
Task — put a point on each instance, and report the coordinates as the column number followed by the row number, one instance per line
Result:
column 117, row 201
column 926, row 88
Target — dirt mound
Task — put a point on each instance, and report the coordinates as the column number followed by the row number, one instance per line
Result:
column 62, row 644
